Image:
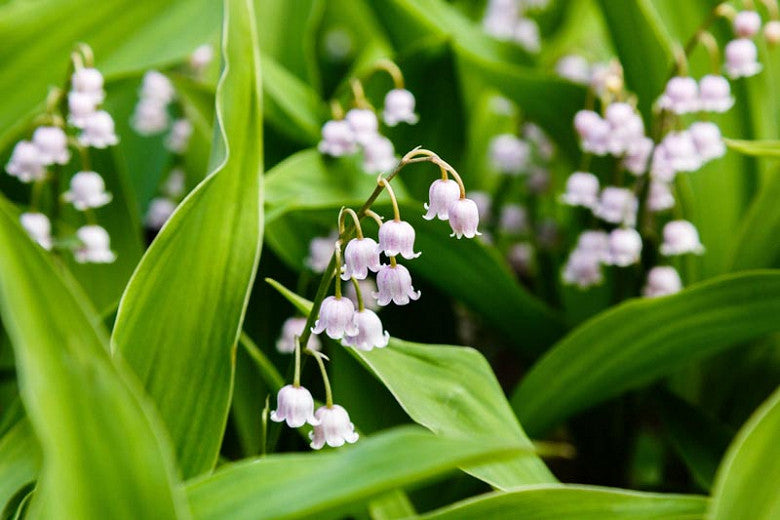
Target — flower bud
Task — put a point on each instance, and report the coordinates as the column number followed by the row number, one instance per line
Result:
column 662, row 281
column 89, row 81
column 52, row 144
column 333, row 428
column 464, row 218
column 369, row 333
column 87, row 190
column 394, row 283
column 320, row 252
column 201, row 57
column 441, row 194
column 95, row 246
column 575, row 68
column 337, row 318
column 38, row 227
column 396, row 237
column 715, row 94
column 399, row 108
column 294, row 405
column 156, row 86
column 338, row 139
column 625, row 247
column 747, row 24
column 582, row 189
column 582, row 269
column 150, row 117
column 360, row 255
column 681, row 237
column 526, row 34
column 742, row 58
column 681, row 151
column 80, row 106
column 637, row 155
column 681, row 95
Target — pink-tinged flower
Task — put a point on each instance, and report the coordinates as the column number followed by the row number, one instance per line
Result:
column 708, row 140
column 582, row 269
column 526, row 34
column 681, row 95
column 681, row 237
column 681, row 151
column 662, row 281
column 38, row 227
column 582, row 189
column 360, row 255
column 334, row 428
column 509, row 154
column 594, row 131
column 625, row 247
column 399, row 108
column 25, row 163
column 440, row 195
column 742, row 58
column 80, row 106
column 90, row 82
column 521, row 257
column 338, row 139
column 595, row 243
column 157, row 86
column 394, row 283
column 150, row 117
column 367, row 291
column 396, row 237
column 637, row 155
column 617, row 206
column 52, row 144
column 370, row 333
column 659, row 196
column 464, row 218
column 574, row 68
column 337, row 318
column 98, row 131
column 625, row 127
column 484, row 203
column 320, row 252
column 661, row 168
column 160, row 210
column 747, row 24
column 95, row 246
column 378, row 155
column 295, row 406
column 292, row 329
column 715, row 94
column 513, row 219
column 364, row 124
column 87, row 190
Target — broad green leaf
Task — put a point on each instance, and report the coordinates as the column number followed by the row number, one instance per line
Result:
column 20, row 460
column 575, row 502
column 642, row 340
column 765, row 148
column 181, row 314
column 99, row 435
column 746, row 483
column 126, row 37
column 325, row 484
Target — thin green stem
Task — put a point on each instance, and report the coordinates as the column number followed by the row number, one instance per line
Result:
column 337, row 271
column 297, row 376
column 355, row 219
column 384, row 182
column 325, row 380
column 392, row 69
column 359, row 296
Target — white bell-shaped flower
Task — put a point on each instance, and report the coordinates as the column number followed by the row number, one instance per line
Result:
column 594, row 242
column 742, row 58
column 662, row 280
column 625, row 247
column 25, row 163
column 593, row 130
column 336, row 318
column 360, row 256
column 715, row 94
column 521, row 257
column 394, row 283
column 320, row 252
column 87, row 190
column 292, row 329
column 625, row 127
column 38, row 227
column 396, row 237
column 295, row 406
column 509, row 154
column 582, row 189
column 681, row 151
column 708, row 140
column 379, row 155
column 681, row 237
column 681, row 95
column 201, row 57
column 338, row 139
column 575, row 68
column 334, row 428
column 52, row 145
column 617, row 205
column 367, row 291
column 80, row 106
column 157, row 86
column 363, row 123
column 582, row 269
column 176, row 184
column 89, row 81
column 637, row 155
column 661, row 168
column 526, row 34
column 772, row 32
column 484, row 203
column 464, row 218
column 659, row 196
column 95, row 246
column 441, row 194
column 534, row 134
column 160, row 210
column 179, row 138
column 150, row 117
column 98, row 131
column 370, row 333
column 513, row 219
column 746, row 24
column 399, row 108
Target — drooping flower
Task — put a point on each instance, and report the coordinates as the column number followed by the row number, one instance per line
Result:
column 334, row 428
column 156, row 86
column 440, row 195
column 320, row 252
column 25, row 163
column 513, row 219
column 399, row 108
column 160, row 210
column 575, row 68
column 396, row 237
column 338, row 139
column 625, row 127
column 98, row 130
column 708, row 140
column 179, row 138
column 742, row 58
column 95, row 246
column 80, row 106
column 378, row 155
column 370, row 333
column 661, row 168
column 201, row 57
column 38, row 227
column 594, row 242
column 747, row 24
column 484, row 203
column 88, row 81
column 509, row 154
column 364, row 124
column 150, row 116
column 295, row 406
column 52, row 144
column 662, row 281
column 176, row 184
column 292, row 329
column 715, row 94
column 625, row 247
column 681, row 151
column 394, row 283
column 637, row 155
column 526, row 34
column 681, row 95
column 464, row 218
column 87, row 190
column 593, row 130
column 582, row 189
column 680, row 237
column 617, row 205
column 360, row 256
column 582, row 269
column 336, row 318
column 659, row 196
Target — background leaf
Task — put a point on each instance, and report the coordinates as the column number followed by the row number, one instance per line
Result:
column 20, row 460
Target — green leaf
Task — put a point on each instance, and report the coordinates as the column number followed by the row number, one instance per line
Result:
column 181, row 314
column 642, row 340
column 318, row 484
column 99, row 435
column 20, row 460
column 126, row 38
column 765, row 148
column 746, row 483
column 575, row 503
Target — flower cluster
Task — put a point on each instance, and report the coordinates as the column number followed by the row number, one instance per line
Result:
column 354, row 323
column 358, row 130
column 508, row 20
column 41, row 159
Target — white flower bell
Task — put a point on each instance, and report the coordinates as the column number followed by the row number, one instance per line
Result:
column 681, row 95
column 742, row 58
column 160, row 210
column 575, row 68
column 464, row 218
column 295, row 406
column 87, row 190
column 661, row 168
column 38, row 227
column 157, row 86
column 595, row 243
column 150, row 117
column 441, row 194
column 715, row 94
column 582, row 189
column 336, row 318
column 661, row 281
column 80, row 106
column 179, row 138
column 708, row 140
column 25, row 162
column 176, row 184
column 338, row 139
column 625, row 127
column 201, row 57
column 360, row 256
column 292, row 329
column 399, row 108
column 396, row 237
column 52, row 144
column 364, row 124
column 334, row 428
column 747, row 24
column 89, row 81
column 379, row 155
column 367, row 291
column 681, row 151
column 526, row 34
column 659, row 196
column 637, row 155
column 513, row 219
column 582, row 269
column 772, row 32
column 394, row 283
column 98, row 131
column 680, row 237
column 95, row 246
column 625, row 247
column 509, row 154
column 617, row 205
column 370, row 333
column 593, row 130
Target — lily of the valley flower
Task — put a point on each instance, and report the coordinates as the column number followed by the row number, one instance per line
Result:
column 333, row 428
column 440, row 195
column 38, row 227
column 680, row 237
column 370, row 333
column 336, row 318
column 295, row 406
column 87, row 190
column 95, row 246
column 360, row 256
column 464, row 218
column 661, row 281
column 291, row 331
column 399, row 108
column 394, row 283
